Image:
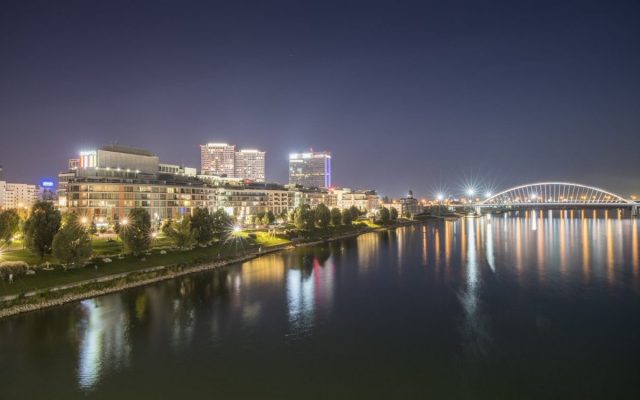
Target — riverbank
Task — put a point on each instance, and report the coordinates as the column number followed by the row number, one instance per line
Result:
column 37, row 299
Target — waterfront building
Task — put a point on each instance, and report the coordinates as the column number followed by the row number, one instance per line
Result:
column 310, row 170
column 3, row 194
column 17, row 195
column 215, row 180
column 116, row 157
column 176, row 169
column 47, row 191
column 218, row 159
column 63, row 181
column 406, row 206
column 112, row 180
column 241, row 202
column 245, row 201
column 313, row 197
column 108, row 200
column 73, row 164
column 364, row 200
column 250, row 164
column 105, row 189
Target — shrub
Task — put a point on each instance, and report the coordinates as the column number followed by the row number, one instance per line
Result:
column 13, row 267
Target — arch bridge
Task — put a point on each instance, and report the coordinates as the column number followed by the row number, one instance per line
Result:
column 556, row 194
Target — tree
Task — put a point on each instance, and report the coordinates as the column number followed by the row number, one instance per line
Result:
column 384, row 215
column 304, row 217
column 284, row 215
column 269, row 217
column 322, row 216
column 9, row 225
column 41, row 226
column 355, row 212
column 182, row 233
column 258, row 218
column 393, row 214
column 222, row 222
column 336, row 217
column 135, row 231
column 72, row 243
column 264, row 220
column 165, row 226
column 347, row 216
column 202, row 224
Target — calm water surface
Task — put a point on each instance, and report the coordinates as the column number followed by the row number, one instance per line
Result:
column 536, row 305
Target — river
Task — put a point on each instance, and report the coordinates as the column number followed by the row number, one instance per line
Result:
column 542, row 304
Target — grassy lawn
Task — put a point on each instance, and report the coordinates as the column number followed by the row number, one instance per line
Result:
column 367, row 223
column 264, row 239
column 235, row 246
column 58, row 276
column 104, row 247
column 24, row 255
column 318, row 234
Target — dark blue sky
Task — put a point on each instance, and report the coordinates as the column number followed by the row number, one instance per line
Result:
column 407, row 95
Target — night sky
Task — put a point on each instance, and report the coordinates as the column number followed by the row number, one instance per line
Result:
column 407, row 95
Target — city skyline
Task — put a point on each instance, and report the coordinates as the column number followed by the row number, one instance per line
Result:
column 367, row 198
column 416, row 96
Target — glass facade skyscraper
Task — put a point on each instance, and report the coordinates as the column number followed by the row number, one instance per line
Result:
column 312, row 169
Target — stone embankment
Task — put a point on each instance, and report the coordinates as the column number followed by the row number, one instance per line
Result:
column 59, row 295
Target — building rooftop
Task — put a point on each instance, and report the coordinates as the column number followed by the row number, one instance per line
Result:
column 127, row 150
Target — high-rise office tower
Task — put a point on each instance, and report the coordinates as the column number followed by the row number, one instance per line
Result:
column 249, row 164
column 218, row 159
column 312, row 169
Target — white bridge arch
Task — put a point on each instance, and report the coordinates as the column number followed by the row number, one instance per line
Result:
column 555, row 194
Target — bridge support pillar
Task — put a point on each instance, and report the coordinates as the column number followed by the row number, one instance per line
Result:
column 478, row 209
column 634, row 211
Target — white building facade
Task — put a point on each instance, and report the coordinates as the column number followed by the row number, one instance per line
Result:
column 17, row 195
column 364, row 200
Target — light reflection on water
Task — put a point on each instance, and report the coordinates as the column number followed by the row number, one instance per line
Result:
column 460, row 286
column 104, row 342
column 310, row 283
